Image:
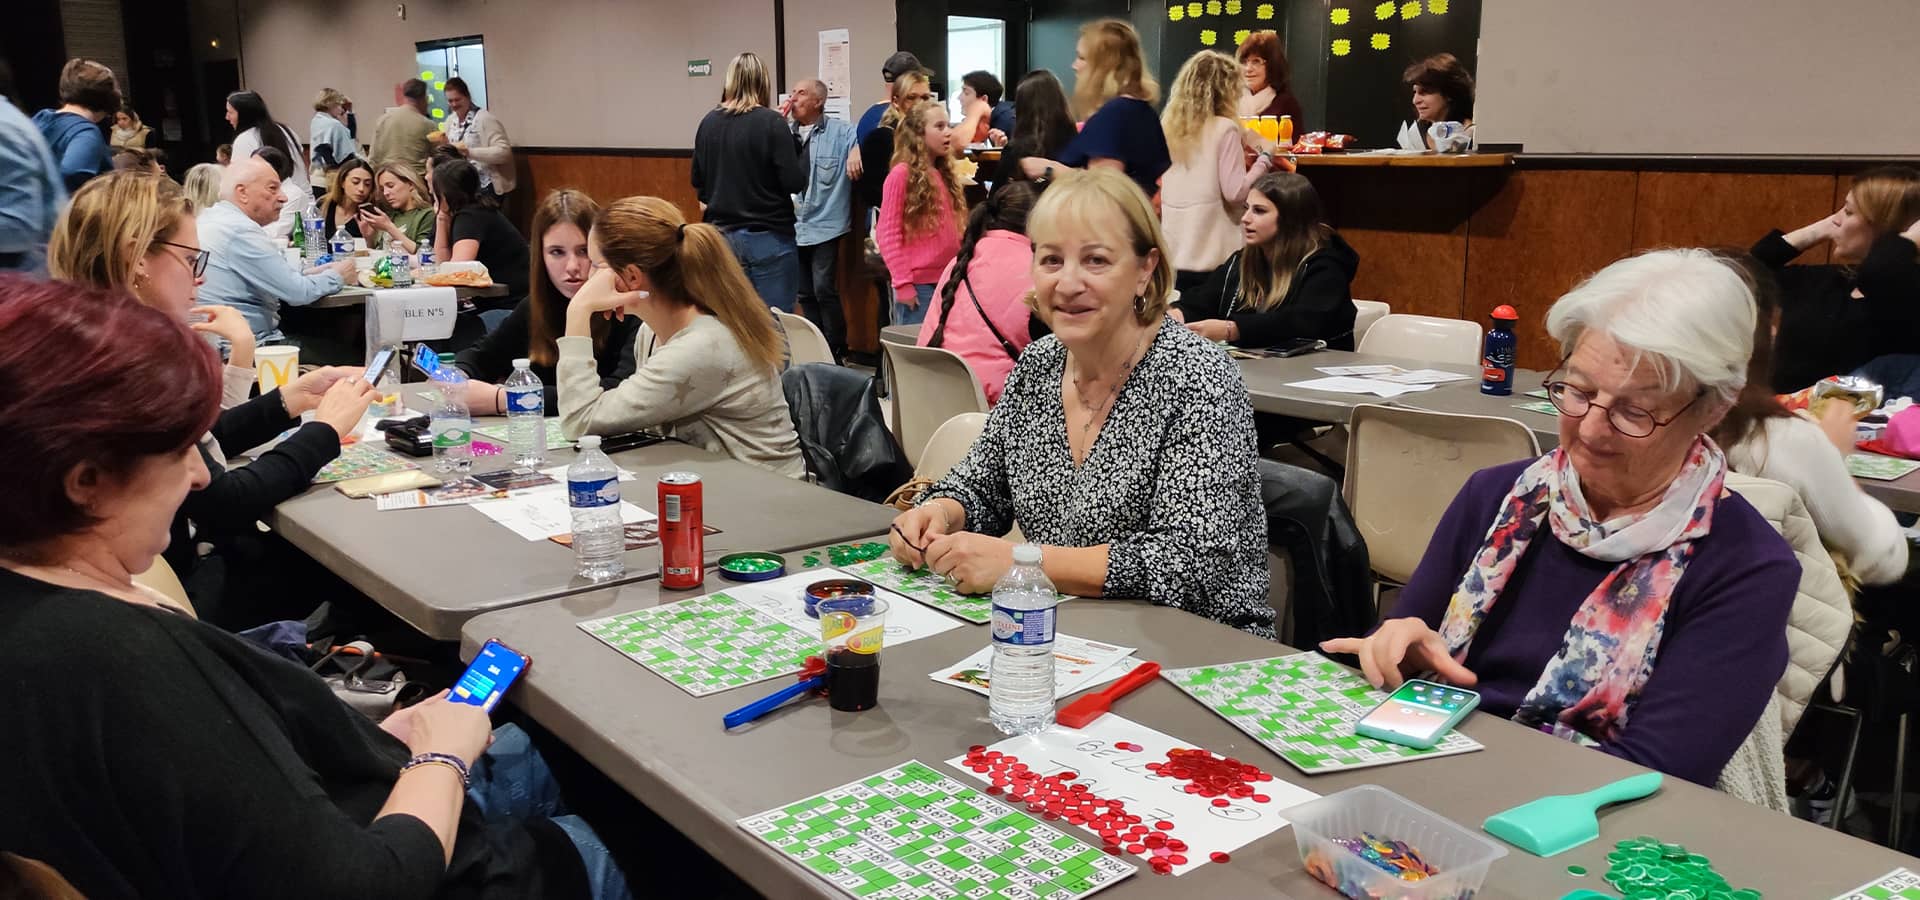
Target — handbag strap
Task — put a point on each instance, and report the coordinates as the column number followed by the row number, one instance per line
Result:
column 1013, row 352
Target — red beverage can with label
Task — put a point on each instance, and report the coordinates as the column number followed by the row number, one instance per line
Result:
column 683, row 542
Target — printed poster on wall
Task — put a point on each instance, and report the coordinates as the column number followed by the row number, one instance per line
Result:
column 836, row 69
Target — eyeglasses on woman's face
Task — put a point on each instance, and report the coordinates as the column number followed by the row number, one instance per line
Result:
column 197, row 262
column 1632, row 421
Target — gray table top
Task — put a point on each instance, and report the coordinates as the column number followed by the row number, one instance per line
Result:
column 356, row 295
column 900, row 334
column 490, row 567
column 668, row 749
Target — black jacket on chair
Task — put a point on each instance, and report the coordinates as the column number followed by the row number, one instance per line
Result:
column 1332, row 591
column 842, row 434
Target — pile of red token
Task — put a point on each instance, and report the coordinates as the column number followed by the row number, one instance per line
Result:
column 1057, row 796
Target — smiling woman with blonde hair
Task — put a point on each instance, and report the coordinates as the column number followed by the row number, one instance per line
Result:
column 1123, row 443
column 707, row 358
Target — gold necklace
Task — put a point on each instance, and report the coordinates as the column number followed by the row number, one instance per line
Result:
column 1113, row 395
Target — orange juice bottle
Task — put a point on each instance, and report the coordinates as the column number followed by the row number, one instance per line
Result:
column 1269, row 128
column 1286, row 131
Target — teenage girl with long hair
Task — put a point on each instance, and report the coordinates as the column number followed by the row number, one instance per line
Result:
column 707, row 358
column 981, row 307
column 1293, row 279
column 920, row 208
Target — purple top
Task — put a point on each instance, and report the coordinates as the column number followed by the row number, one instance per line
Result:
column 1726, row 637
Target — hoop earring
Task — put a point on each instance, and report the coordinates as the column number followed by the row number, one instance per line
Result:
column 1139, row 304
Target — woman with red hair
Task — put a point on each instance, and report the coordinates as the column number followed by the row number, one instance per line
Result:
column 153, row 755
column 1269, row 79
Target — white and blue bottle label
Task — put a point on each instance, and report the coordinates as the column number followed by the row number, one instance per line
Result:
column 1023, row 627
column 526, row 400
column 589, row 494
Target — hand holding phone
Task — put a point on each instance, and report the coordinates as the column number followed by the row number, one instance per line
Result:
column 1418, row 714
column 494, row 669
column 378, row 366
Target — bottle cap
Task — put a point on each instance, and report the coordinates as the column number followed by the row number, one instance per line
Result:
column 1026, row 554
column 1504, row 311
column 522, row 363
column 589, row 442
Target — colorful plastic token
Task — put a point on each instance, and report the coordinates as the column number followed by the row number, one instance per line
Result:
column 752, row 566
column 1577, row 871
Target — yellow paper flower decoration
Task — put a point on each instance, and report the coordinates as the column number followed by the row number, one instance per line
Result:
column 1240, row 37
column 1195, row 9
column 1342, row 47
column 1263, row 12
column 1233, row 7
column 1385, row 10
column 1410, row 10
column 1176, row 13
column 1207, row 37
column 1213, row 7
column 1381, row 41
column 426, row 76
column 1342, row 16
column 1437, row 7
column 439, row 113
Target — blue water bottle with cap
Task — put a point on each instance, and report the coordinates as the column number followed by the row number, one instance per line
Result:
column 1496, row 363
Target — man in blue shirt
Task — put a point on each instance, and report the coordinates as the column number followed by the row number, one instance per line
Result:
column 30, row 193
column 248, row 269
column 823, row 210
column 896, row 65
column 88, row 95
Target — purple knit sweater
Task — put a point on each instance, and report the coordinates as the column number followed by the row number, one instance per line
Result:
column 1726, row 635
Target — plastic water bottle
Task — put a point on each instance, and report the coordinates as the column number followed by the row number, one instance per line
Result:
column 314, row 226
column 427, row 265
column 1496, row 363
column 451, row 422
column 1020, row 698
column 341, row 246
column 593, row 493
column 526, row 415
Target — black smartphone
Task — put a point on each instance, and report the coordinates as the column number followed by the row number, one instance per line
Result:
column 630, row 440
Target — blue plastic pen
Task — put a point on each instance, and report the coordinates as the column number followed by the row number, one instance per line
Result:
column 769, row 703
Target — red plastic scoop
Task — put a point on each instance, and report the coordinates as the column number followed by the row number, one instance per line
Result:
column 1093, row 706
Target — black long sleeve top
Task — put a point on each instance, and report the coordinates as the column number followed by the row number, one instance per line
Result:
column 1826, row 330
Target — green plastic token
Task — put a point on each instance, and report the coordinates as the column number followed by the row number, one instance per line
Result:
column 1577, row 871
column 754, row 566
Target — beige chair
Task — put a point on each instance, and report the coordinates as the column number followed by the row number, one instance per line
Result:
column 805, row 343
column 926, row 387
column 1424, row 338
column 1365, row 313
column 950, row 442
column 161, row 579
column 1404, row 467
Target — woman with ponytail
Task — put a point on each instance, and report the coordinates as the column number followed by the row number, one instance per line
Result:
column 982, row 311
column 920, row 209
column 707, row 358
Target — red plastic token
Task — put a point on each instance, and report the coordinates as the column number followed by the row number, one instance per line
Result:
column 1220, row 857
column 1179, row 860
column 1136, row 849
column 1220, row 801
column 1177, row 845
column 1163, row 825
column 1262, row 798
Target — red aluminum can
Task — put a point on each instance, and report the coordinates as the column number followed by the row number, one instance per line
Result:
column 683, row 542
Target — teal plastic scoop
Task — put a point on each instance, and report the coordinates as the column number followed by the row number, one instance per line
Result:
column 1562, row 822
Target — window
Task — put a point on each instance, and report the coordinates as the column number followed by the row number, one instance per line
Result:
column 973, row 44
column 438, row 61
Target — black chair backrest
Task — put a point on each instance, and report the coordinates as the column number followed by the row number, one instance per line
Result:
column 1308, row 521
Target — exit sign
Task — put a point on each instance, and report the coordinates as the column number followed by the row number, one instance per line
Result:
column 699, row 68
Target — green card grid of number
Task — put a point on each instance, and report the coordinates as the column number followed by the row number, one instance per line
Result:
column 1302, row 707
column 910, row 832
column 707, row 644
column 928, row 588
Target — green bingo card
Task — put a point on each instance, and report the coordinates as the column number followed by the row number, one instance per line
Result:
column 927, row 588
column 911, row 833
column 707, row 644
column 1303, row 707
column 1899, row 884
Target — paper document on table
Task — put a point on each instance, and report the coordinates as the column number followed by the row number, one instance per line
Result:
column 1899, row 884
column 1359, row 371
column 1340, row 384
column 1078, row 664
column 453, row 493
column 1422, row 376
column 542, row 513
column 1197, row 806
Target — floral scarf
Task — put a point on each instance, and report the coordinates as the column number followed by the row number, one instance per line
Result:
column 1588, row 689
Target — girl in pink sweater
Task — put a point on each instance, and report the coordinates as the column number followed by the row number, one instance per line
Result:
column 920, row 209
column 980, row 310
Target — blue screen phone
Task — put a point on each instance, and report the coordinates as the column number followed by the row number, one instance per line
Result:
column 493, row 670
column 1418, row 714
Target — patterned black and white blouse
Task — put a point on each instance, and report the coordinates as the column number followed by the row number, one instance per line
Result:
column 1170, row 484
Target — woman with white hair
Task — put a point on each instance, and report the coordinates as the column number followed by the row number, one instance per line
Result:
column 1613, row 592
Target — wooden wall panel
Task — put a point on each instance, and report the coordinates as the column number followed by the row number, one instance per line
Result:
column 1539, row 236
column 1410, row 230
column 1725, row 209
column 604, row 177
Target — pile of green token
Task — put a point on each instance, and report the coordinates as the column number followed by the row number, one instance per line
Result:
column 848, row 554
column 1643, row 868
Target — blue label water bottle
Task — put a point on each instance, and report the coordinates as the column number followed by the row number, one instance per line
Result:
column 1496, row 364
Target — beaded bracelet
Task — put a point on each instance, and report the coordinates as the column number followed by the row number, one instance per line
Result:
column 438, row 759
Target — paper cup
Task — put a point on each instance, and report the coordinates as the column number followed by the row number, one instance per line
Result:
column 293, row 257
column 276, row 366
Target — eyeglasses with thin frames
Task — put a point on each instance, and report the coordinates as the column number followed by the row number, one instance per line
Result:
column 1629, row 420
column 200, row 257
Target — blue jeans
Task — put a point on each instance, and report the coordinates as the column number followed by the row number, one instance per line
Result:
column 512, row 784
column 1899, row 373
column 772, row 263
column 905, row 315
